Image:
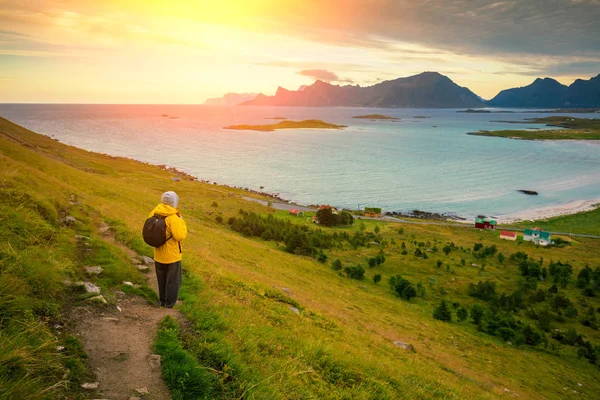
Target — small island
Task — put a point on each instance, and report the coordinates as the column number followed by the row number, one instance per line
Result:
column 575, row 129
column 377, row 116
column 306, row 124
column 275, row 118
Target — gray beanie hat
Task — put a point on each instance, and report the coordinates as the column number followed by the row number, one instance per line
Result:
column 170, row 198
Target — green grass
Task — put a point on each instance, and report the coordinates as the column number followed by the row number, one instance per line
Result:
column 585, row 223
column 306, row 124
column 240, row 330
column 576, row 129
column 183, row 375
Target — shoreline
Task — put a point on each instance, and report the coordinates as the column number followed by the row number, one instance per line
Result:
column 530, row 215
column 540, row 213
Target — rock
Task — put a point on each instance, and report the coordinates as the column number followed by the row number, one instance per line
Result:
column 474, row 265
column 119, row 308
column 405, row 346
column 147, row 260
column 95, row 270
column 104, row 229
column 127, row 283
column 89, row 287
column 154, row 361
column 286, row 291
column 90, row 385
column 60, row 348
column 80, row 237
column 70, row 220
column 67, row 282
column 98, row 299
column 113, row 319
column 529, row 192
column 143, row 268
column 294, row 309
column 143, row 391
column 135, row 261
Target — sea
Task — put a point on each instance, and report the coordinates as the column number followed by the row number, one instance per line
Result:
column 423, row 161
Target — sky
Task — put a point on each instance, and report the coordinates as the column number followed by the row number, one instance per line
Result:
column 132, row 51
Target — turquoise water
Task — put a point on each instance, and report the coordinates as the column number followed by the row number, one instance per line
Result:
column 417, row 163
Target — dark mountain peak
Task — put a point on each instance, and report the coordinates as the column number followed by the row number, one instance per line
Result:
column 425, row 90
column 546, row 82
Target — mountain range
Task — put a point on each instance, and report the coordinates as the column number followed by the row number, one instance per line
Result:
column 548, row 93
column 230, row 99
column 425, row 90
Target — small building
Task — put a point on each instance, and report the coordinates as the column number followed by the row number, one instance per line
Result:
column 537, row 236
column 333, row 209
column 485, row 223
column 508, row 235
column 296, row 212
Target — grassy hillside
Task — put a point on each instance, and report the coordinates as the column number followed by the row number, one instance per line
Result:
column 268, row 324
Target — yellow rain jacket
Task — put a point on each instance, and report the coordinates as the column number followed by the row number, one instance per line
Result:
column 176, row 229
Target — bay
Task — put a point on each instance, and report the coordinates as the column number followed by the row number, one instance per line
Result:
column 429, row 164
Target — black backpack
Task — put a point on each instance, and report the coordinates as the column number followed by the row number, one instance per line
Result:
column 155, row 231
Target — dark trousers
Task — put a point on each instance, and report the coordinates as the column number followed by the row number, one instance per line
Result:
column 169, row 282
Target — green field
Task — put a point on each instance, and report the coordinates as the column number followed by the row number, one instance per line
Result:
column 266, row 323
column 575, row 129
column 306, row 124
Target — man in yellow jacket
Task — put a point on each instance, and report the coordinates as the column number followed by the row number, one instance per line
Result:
column 167, row 258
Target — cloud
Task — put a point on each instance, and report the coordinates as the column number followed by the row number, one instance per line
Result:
column 323, row 75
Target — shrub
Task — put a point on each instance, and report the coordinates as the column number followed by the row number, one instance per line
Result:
column 214, row 204
column 402, row 287
column 483, row 290
column 462, row 314
column 355, row 272
column 561, row 272
column 376, row 278
column 336, row 265
column 219, row 219
column 442, row 312
column 477, row 313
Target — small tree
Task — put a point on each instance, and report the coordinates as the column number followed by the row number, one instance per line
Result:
column 442, row 312
column 376, row 229
column 476, row 313
column 462, row 314
column 447, row 250
column 501, row 258
column 336, row 265
column 376, row 278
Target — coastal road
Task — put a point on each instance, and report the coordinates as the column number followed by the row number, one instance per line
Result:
column 278, row 206
column 286, row 206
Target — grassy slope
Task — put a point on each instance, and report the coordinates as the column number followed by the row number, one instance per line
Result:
column 340, row 346
column 576, row 129
column 586, row 223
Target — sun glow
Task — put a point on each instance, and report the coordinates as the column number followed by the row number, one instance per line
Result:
column 182, row 52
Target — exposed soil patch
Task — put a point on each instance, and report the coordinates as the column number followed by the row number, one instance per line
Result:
column 119, row 343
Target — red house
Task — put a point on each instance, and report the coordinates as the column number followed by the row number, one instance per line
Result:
column 485, row 223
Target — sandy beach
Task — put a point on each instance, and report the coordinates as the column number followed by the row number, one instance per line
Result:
column 572, row 207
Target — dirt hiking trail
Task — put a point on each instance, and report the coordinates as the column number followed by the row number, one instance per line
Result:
column 118, row 340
